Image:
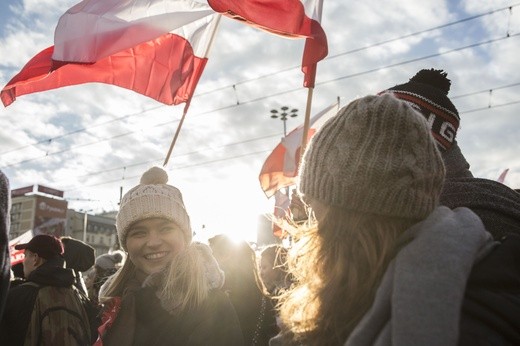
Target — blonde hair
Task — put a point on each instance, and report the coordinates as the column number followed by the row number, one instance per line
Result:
column 182, row 285
column 337, row 265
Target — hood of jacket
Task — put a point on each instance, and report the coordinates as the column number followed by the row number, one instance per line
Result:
column 53, row 273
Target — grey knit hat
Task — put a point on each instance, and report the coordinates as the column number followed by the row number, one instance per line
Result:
column 152, row 198
column 376, row 155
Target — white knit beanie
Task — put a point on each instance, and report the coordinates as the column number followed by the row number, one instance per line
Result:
column 377, row 155
column 152, row 198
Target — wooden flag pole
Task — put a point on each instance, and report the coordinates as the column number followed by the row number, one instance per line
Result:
column 175, row 137
column 306, row 122
column 210, row 44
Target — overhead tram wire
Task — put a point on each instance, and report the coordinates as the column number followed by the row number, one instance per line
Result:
column 176, row 169
column 356, row 50
column 491, row 106
column 282, row 93
column 259, row 152
column 419, row 59
column 49, row 140
column 485, row 91
column 177, row 156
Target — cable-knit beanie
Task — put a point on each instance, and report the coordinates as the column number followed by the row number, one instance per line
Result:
column 376, row 155
column 152, row 198
column 427, row 92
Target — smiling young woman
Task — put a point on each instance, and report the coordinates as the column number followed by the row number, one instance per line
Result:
column 168, row 292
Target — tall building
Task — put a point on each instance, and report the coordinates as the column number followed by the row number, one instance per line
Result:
column 41, row 209
column 37, row 208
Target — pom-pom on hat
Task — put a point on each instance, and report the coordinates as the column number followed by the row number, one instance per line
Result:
column 427, row 92
column 376, row 156
column 152, row 198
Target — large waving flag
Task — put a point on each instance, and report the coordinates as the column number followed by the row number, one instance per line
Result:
column 290, row 18
column 281, row 166
column 157, row 48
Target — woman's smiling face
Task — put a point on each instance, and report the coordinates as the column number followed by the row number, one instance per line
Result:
column 152, row 244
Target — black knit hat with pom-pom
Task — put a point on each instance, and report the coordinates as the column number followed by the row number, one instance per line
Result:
column 427, row 92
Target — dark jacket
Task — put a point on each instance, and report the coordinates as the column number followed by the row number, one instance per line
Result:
column 5, row 218
column 21, row 299
column 215, row 323
column 497, row 205
column 491, row 307
column 80, row 257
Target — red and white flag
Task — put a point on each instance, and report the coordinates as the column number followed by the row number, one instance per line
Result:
column 17, row 256
column 281, row 166
column 289, row 18
column 157, row 48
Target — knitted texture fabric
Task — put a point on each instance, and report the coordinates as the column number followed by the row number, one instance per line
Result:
column 377, row 156
column 427, row 92
column 152, row 198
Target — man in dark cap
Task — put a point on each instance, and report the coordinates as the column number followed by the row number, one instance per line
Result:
column 49, row 287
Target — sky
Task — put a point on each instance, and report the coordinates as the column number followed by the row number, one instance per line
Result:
column 92, row 140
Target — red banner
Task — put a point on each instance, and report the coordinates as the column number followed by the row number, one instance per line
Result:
column 17, row 256
column 50, row 191
column 22, row 191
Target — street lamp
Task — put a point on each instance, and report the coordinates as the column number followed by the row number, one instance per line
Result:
column 283, row 116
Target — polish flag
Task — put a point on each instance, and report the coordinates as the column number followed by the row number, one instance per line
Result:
column 289, row 18
column 157, row 48
column 281, row 166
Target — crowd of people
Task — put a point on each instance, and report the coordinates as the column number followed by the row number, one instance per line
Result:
column 400, row 245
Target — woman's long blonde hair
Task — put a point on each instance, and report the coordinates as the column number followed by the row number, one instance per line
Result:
column 181, row 286
column 337, row 265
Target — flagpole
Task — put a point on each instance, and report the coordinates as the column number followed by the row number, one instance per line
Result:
column 306, row 122
column 174, row 140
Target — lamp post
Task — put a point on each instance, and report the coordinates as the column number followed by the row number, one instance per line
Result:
column 275, row 114
column 283, row 114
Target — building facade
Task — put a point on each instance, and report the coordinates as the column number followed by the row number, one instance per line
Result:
column 43, row 210
column 99, row 231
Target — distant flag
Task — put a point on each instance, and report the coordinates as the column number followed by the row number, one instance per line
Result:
column 502, row 176
column 17, row 256
column 156, row 48
column 281, row 210
column 281, row 166
column 289, row 18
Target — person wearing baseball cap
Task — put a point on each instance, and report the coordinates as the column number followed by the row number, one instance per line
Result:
column 39, row 250
column 44, row 269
